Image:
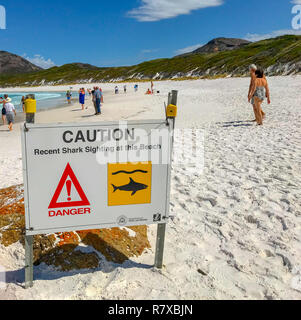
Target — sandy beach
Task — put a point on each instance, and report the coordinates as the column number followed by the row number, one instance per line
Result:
column 235, row 231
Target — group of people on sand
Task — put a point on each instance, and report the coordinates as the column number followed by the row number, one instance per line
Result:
column 258, row 91
column 152, row 90
column 125, row 89
column 96, row 94
column 8, row 111
column 69, row 96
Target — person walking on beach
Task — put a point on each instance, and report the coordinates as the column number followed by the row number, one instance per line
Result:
column 98, row 95
column 69, row 95
column 259, row 91
column 3, row 111
column 116, row 90
column 136, row 87
column 10, row 113
column 152, row 87
column 102, row 99
column 82, row 96
column 124, row 88
column 23, row 103
column 253, row 69
column 94, row 100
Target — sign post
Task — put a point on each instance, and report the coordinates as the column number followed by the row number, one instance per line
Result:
column 28, row 262
column 172, row 100
column 28, row 241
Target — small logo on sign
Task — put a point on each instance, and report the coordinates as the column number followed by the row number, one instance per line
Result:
column 157, row 217
column 122, row 221
column 296, row 22
column 2, row 18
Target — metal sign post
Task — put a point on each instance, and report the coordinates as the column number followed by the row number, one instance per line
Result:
column 28, row 239
column 172, row 100
column 28, row 262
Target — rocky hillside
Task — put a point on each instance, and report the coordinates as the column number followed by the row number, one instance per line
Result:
column 13, row 64
column 220, row 45
column 278, row 56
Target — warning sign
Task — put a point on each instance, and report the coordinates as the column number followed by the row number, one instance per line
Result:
column 68, row 181
column 129, row 183
column 87, row 176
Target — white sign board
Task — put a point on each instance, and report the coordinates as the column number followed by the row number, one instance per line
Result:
column 96, row 175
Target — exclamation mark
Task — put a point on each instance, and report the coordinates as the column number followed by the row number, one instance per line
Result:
column 68, row 185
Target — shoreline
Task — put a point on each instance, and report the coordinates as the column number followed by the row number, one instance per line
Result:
column 114, row 108
column 20, row 117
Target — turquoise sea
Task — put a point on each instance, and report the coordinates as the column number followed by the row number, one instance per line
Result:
column 45, row 100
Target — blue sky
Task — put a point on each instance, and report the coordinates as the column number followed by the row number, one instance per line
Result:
column 127, row 32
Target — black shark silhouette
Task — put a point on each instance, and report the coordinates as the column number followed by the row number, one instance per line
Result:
column 131, row 187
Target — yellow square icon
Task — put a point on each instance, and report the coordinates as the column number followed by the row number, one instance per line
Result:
column 129, row 183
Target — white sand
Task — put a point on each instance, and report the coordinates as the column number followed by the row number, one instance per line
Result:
column 238, row 222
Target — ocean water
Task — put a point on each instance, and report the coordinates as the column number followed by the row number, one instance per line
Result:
column 45, row 100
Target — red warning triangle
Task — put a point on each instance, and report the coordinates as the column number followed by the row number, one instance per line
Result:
column 68, row 174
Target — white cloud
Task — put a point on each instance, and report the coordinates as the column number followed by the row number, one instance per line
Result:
column 40, row 61
column 296, row 1
column 155, row 10
column 146, row 51
column 257, row 37
column 188, row 49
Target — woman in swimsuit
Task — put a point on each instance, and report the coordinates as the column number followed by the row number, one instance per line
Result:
column 259, row 92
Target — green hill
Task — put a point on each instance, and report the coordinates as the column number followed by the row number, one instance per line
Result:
column 278, row 56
